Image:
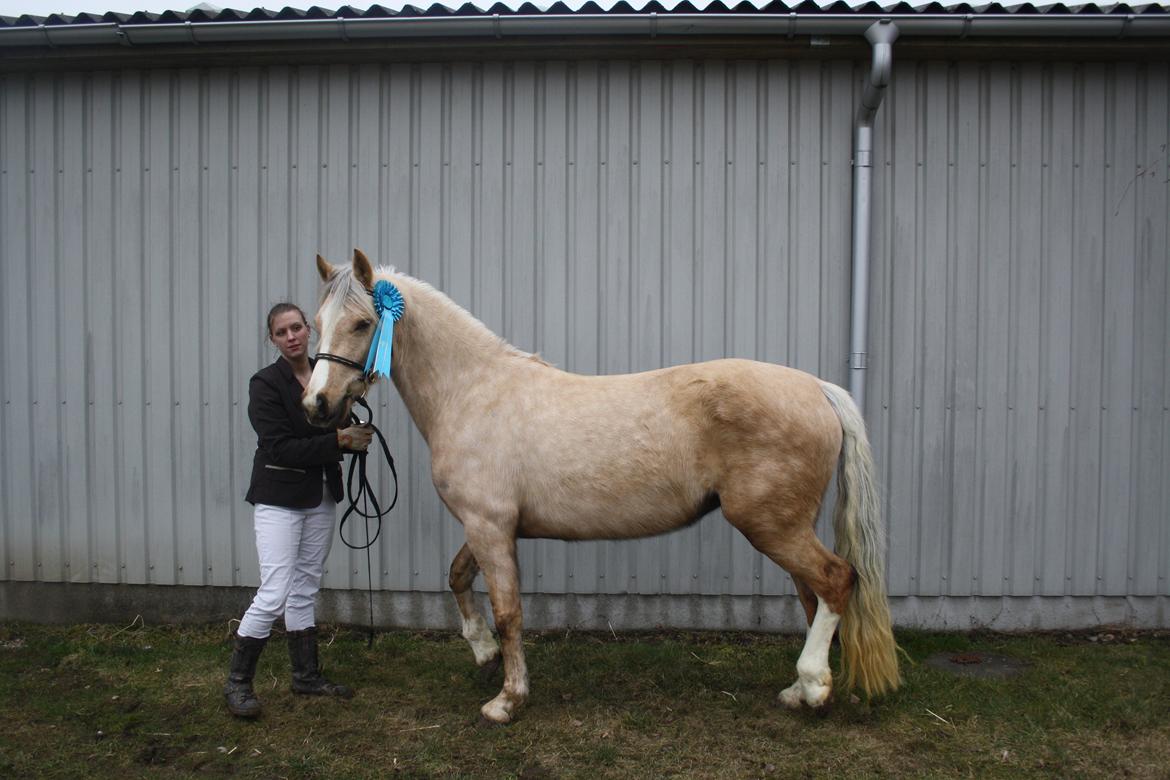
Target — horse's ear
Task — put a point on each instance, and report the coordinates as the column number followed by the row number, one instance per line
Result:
column 362, row 270
column 324, row 268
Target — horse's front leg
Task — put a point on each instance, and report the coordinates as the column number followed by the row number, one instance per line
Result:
column 475, row 628
column 494, row 547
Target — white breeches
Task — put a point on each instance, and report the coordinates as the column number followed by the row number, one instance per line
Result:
column 292, row 545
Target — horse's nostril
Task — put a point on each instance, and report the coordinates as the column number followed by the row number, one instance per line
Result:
column 322, row 408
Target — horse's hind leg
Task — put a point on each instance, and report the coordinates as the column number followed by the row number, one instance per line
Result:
column 829, row 580
column 808, row 599
column 475, row 628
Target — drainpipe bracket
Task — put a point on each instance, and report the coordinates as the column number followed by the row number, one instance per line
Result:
column 1125, row 25
column 858, row 361
column 882, row 31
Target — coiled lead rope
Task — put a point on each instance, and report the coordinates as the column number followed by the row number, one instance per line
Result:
column 365, row 493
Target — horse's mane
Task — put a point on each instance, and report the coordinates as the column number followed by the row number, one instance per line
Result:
column 346, row 291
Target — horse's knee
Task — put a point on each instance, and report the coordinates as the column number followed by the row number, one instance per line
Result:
column 459, row 581
column 508, row 622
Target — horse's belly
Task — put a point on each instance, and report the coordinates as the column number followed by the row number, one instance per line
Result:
column 630, row 516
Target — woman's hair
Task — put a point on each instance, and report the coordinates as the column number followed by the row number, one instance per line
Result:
column 280, row 309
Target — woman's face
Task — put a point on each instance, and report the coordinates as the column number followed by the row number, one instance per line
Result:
column 290, row 335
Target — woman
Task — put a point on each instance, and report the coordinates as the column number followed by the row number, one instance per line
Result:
column 296, row 484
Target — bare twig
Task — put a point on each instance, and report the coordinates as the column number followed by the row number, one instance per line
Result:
column 944, row 720
column 700, row 660
column 137, row 619
column 1142, row 171
column 611, row 629
column 732, row 695
column 418, row 728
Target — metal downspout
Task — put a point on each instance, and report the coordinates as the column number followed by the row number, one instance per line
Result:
column 881, row 36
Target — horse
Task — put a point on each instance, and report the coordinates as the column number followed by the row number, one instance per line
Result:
column 618, row 457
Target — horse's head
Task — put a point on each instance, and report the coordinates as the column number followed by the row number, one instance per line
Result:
column 345, row 321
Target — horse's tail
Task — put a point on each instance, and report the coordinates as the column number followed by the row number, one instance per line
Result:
column 868, row 652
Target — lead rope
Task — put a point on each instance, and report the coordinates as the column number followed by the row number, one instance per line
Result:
column 365, row 492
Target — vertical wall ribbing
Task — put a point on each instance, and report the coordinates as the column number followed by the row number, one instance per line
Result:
column 614, row 216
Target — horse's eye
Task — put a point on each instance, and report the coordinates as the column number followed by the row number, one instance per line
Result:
column 361, row 326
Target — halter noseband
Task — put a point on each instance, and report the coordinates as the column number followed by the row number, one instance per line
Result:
column 367, row 376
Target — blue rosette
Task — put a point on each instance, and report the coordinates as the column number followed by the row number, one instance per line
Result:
column 388, row 305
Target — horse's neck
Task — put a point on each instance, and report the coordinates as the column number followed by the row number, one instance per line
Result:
column 441, row 353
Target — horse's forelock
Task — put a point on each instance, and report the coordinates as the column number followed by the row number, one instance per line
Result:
column 344, row 290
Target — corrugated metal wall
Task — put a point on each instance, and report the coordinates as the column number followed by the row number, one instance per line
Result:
column 1022, row 385
column 613, row 216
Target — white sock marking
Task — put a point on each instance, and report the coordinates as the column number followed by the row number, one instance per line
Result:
column 814, row 678
column 483, row 644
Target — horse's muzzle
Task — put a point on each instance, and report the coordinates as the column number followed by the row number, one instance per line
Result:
column 317, row 410
column 322, row 414
column 321, row 410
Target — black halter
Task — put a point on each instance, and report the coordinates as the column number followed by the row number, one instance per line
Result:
column 367, row 376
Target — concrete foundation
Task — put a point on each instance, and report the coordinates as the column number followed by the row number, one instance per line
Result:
column 42, row 602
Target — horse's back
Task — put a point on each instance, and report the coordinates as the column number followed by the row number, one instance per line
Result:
column 738, row 395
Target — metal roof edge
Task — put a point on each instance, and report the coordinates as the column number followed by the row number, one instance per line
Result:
column 653, row 24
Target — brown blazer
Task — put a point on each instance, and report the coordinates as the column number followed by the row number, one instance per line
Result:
column 293, row 459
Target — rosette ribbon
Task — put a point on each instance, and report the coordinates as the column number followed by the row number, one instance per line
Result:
column 388, row 305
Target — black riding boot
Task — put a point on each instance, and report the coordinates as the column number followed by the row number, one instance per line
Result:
column 237, row 691
column 306, row 672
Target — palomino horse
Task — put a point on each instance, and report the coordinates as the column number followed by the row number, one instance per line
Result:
column 522, row 449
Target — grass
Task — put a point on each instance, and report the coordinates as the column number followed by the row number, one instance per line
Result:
column 106, row 701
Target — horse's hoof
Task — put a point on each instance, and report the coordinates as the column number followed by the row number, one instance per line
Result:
column 800, row 694
column 496, row 715
column 817, row 696
column 790, row 697
column 487, row 672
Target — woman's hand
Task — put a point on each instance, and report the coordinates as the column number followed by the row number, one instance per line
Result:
column 355, row 438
